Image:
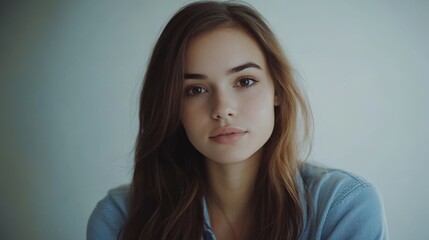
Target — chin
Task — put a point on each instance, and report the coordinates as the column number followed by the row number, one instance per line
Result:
column 222, row 159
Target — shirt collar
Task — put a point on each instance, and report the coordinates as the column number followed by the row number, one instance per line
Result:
column 207, row 229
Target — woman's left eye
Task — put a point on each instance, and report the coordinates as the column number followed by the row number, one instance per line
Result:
column 245, row 82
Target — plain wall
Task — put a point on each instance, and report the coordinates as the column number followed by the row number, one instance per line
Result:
column 71, row 73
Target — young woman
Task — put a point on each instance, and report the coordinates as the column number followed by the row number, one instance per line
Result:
column 217, row 154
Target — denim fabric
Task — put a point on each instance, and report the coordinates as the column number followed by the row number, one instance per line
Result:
column 341, row 206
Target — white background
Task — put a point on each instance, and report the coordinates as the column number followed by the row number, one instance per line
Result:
column 70, row 77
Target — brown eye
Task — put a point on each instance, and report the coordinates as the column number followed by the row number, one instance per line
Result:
column 193, row 91
column 245, row 82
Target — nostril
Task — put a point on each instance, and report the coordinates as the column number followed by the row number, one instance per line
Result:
column 222, row 115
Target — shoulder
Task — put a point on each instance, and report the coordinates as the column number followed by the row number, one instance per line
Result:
column 323, row 182
column 342, row 205
column 109, row 215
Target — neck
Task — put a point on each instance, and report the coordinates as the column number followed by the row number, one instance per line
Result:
column 230, row 186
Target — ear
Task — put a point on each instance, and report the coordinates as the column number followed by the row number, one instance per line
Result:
column 276, row 101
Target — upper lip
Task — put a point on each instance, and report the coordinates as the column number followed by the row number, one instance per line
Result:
column 225, row 130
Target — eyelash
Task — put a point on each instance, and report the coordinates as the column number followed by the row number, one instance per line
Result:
column 190, row 88
column 247, row 78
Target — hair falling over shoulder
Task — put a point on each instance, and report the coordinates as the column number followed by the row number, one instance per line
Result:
column 167, row 186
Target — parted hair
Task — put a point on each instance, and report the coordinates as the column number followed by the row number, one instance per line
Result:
column 168, row 181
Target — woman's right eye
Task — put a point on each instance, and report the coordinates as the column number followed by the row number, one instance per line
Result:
column 194, row 91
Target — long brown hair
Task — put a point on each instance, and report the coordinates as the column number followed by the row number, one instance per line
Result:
column 167, row 185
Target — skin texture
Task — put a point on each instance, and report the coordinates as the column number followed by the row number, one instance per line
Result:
column 216, row 98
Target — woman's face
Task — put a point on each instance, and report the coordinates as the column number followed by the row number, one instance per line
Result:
column 228, row 96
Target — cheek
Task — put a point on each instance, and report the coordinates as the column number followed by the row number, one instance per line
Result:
column 187, row 118
column 260, row 104
column 192, row 117
column 259, row 113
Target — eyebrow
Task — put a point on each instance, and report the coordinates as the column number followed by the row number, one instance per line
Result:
column 230, row 71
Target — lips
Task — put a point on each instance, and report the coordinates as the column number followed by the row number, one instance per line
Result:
column 225, row 135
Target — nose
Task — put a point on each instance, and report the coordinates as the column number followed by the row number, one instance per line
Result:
column 223, row 107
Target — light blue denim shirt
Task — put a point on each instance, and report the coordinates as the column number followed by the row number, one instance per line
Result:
column 341, row 206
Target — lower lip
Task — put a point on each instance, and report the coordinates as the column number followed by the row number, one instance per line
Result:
column 229, row 138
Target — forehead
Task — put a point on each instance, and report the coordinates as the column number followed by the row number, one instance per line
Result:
column 221, row 49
